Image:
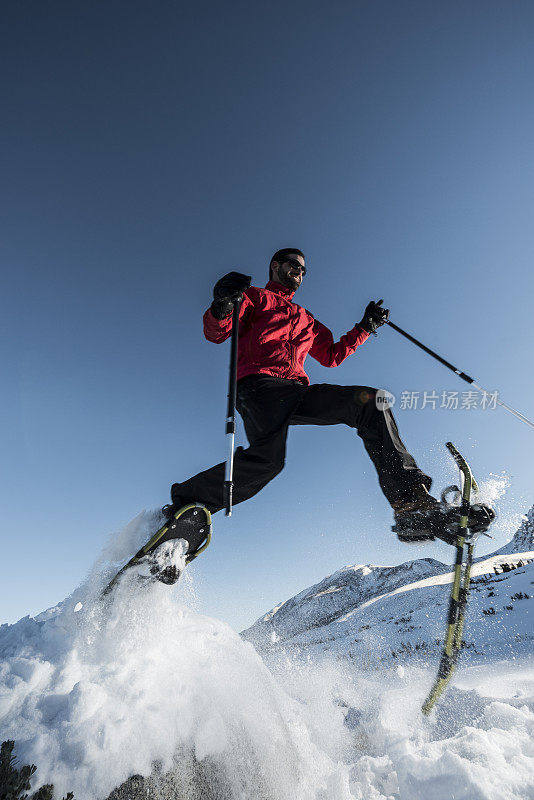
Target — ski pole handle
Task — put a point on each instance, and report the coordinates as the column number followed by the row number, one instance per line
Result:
column 230, row 412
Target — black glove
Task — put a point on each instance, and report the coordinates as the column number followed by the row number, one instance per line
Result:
column 374, row 316
column 226, row 291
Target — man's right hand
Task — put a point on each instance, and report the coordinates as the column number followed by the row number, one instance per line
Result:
column 226, row 291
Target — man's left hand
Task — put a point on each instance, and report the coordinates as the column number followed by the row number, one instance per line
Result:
column 374, row 316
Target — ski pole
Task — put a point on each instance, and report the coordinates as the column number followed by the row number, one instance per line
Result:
column 230, row 413
column 459, row 372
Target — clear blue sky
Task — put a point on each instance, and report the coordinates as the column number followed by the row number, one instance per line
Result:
column 147, row 149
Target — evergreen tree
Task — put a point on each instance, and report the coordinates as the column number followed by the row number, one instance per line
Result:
column 15, row 782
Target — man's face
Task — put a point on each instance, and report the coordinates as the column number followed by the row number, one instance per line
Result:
column 290, row 272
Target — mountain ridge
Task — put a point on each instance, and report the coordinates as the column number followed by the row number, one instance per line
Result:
column 342, row 610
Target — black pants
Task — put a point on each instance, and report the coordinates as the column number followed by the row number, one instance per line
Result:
column 269, row 406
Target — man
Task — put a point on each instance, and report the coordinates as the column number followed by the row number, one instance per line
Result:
column 274, row 392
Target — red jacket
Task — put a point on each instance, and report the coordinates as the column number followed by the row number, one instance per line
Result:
column 276, row 335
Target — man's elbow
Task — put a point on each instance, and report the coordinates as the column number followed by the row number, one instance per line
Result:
column 216, row 338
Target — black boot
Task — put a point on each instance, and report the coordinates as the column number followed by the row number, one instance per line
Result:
column 175, row 505
column 419, row 517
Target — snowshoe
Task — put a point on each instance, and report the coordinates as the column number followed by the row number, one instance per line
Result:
column 192, row 523
column 469, row 520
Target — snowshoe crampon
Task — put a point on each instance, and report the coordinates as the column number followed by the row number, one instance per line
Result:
column 168, row 575
column 192, row 523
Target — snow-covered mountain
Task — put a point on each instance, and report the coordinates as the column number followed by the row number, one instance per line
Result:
column 523, row 539
column 337, row 595
column 142, row 697
column 373, row 613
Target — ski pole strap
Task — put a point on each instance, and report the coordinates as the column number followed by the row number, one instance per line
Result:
column 459, row 372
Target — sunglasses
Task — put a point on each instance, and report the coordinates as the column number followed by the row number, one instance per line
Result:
column 296, row 264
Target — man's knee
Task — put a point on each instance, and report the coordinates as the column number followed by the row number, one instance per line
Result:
column 371, row 406
column 363, row 395
column 366, row 400
column 372, row 399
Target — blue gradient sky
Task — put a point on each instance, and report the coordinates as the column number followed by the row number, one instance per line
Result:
column 148, row 148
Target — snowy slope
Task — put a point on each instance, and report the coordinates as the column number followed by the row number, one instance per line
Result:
column 409, row 619
column 382, row 627
column 96, row 696
column 371, row 612
column 142, row 685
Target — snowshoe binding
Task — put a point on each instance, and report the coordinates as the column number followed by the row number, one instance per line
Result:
column 191, row 522
column 421, row 518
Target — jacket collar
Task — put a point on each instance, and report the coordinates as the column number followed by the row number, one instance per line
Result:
column 274, row 286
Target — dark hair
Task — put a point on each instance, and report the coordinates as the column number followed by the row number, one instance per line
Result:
column 279, row 257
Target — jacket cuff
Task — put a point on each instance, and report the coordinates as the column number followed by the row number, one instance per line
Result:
column 216, row 330
column 361, row 333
